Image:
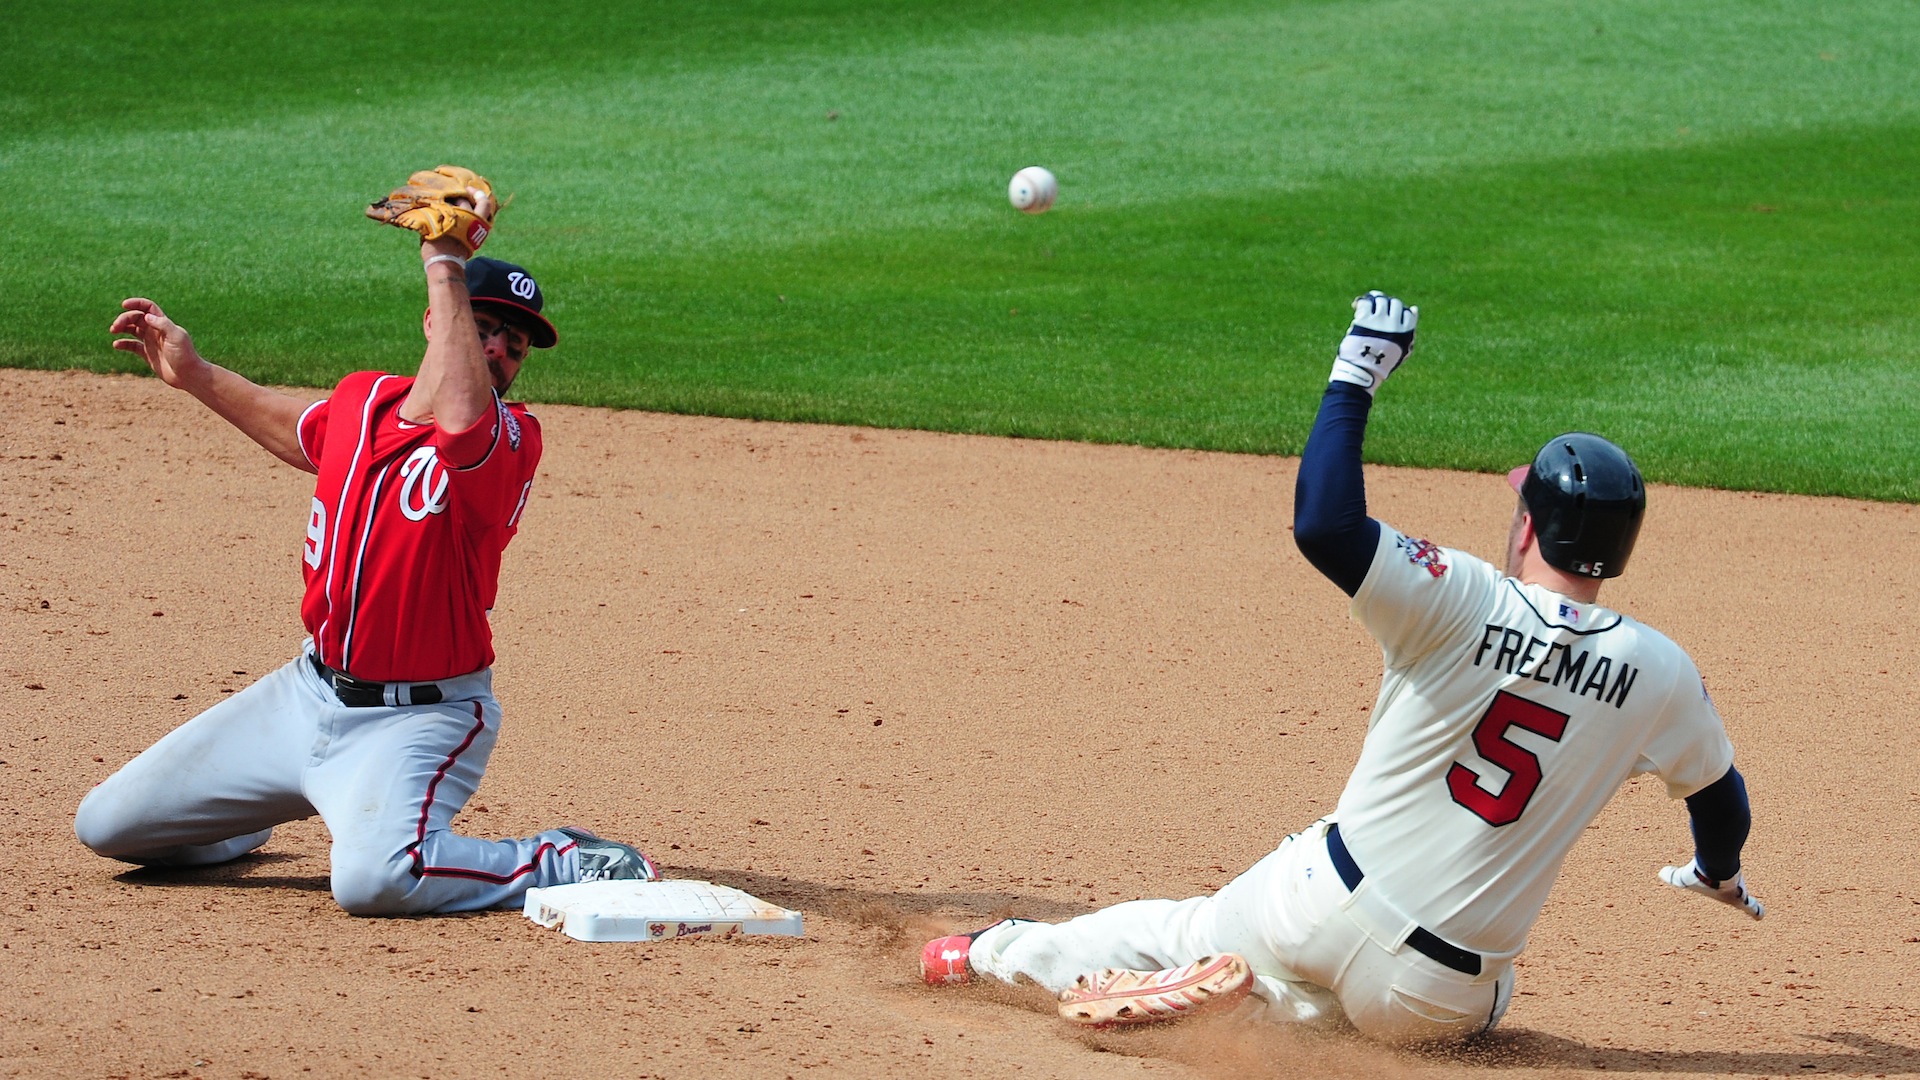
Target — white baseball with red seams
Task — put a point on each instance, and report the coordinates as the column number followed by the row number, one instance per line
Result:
column 1033, row 190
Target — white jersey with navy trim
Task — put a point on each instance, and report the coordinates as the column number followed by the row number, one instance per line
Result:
column 1508, row 716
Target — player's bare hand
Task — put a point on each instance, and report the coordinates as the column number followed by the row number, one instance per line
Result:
column 164, row 344
column 479, row 200
column 1379, row 340
column 1732, row 892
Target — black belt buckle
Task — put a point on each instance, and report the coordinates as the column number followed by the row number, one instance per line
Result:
column 1423, row 941
column 361, row 694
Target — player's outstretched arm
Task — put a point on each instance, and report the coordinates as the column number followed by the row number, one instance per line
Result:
column 1731, row 891
column 268, row 417
column 452, row 208
column 1330, row 522
column 454, row 386
column 1721, row 819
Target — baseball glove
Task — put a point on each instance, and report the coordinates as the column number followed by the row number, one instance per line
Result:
column 448, row 201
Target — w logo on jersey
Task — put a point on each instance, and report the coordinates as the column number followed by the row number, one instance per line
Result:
column 423, row 485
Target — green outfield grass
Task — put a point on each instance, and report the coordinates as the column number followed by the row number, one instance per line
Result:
column 1685, row 226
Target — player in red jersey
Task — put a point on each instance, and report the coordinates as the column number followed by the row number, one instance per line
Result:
column 384, row 724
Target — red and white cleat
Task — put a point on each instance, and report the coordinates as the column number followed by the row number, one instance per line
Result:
column 943, row 962
column 1118, row 996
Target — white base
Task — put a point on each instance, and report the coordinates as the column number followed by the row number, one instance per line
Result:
column 655, row 910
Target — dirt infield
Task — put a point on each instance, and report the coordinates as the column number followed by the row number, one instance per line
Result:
column 901, row 681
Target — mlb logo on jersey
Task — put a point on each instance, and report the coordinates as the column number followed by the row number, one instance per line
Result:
column 1569, row 612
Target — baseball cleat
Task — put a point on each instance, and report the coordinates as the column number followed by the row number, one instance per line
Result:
column 1118, row 996
column 943, row 962
column 610, row 860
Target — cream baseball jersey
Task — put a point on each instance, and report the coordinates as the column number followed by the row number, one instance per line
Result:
column 402, row 555
column 1507, row 717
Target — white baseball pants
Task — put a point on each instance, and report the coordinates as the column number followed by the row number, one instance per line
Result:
column 1316, row 949
column 387, row 781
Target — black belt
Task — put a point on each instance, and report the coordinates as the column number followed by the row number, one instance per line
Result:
column 1424, row 941
column 361, row 694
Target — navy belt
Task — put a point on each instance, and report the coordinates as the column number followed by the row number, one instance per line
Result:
column 361, row 694
column 1424, row 941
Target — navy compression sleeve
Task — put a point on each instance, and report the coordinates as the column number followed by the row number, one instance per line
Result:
column 1721, row 819
column 1330, row 522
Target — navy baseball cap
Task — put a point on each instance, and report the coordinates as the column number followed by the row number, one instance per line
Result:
column 509, row 288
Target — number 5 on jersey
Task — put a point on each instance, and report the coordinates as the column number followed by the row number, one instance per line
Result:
column 1522, row 765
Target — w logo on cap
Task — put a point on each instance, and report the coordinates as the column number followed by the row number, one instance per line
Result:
column 491, row 281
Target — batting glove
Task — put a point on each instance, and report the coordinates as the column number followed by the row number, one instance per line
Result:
column 1732, row 893
column 1379, row 339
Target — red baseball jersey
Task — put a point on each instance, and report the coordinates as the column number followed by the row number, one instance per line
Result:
column 408, row 523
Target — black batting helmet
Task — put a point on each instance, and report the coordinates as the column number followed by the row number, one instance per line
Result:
column 1587, row 499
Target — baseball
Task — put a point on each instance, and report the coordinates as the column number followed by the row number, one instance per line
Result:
column 1032, row 190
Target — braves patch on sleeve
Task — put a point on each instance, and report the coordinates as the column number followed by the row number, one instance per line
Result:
column 1422, row 553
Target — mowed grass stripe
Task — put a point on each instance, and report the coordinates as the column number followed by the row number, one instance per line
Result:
column 137, row 64
column 1569, row 190
column 1694, row 303
column 1224, row 103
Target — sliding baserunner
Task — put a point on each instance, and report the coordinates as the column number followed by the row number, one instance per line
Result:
column 1513, row 707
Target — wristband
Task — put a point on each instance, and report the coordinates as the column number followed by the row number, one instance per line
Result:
column 454, row 259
